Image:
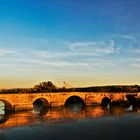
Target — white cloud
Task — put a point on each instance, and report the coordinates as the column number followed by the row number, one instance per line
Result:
column 84, row 54
column 80, row 49
column 135, row 65
column 87, row 55
column 129, row 45
column 93, row 48
column 4, row 52
column 123, row 36
column 58, row 64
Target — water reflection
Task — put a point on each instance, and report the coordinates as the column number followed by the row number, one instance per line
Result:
column 41, row 111
column 75, row 108
column 60, row 115
column 3, row 118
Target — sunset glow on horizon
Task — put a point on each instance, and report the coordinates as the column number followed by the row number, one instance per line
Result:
column 85, row 43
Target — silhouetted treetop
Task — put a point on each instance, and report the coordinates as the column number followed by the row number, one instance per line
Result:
column 45, row 87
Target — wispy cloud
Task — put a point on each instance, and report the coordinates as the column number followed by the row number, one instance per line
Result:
column 129, row 44
column 93, row 48
column 123, row 36
column 83, row 49
column 5, row 52
column 136, row 65
column 85, row 54
column 56, row 63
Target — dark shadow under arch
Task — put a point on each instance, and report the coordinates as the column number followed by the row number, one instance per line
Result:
column 41, row 106
column 42, row 102
column 105, row 101
column 74, row 100
column 131, row 99
column 74, row 104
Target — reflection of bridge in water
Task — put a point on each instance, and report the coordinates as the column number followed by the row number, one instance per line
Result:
column 59, row 115
column 28, row 100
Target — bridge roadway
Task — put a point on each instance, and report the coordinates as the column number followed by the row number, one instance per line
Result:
column 17, row 102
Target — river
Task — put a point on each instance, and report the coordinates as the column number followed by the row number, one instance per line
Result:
column 71, row 123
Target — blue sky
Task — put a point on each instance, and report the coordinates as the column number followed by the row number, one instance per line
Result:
column 82, row 42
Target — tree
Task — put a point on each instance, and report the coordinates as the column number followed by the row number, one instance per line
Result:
column 45, row 87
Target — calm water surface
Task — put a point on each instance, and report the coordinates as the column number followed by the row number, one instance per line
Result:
column 73, row 123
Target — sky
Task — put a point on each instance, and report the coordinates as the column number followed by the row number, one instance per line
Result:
column 81, row 42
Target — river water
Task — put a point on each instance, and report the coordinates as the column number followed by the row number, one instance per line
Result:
column 71, row 123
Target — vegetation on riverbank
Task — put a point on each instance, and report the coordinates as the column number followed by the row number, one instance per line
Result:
column 50, row 87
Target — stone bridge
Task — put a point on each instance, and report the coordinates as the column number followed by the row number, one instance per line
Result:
column 16, row 102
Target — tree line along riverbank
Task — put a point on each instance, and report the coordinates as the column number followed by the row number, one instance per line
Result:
column 50, row 87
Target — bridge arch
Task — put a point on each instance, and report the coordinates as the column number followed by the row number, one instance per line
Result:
column 74, row 100
column 41, row 102
column 105, row 101
column 7, row 105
